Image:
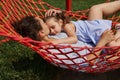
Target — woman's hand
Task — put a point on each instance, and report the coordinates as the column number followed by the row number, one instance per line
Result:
column 52, row 12
column 107, row 36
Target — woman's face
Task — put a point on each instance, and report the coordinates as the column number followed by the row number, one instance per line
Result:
column 45, row 30
column 54, row 25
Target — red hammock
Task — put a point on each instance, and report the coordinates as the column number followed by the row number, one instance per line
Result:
column 59, row 55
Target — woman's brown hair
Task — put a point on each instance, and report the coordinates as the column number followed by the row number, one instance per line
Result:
column 28, row 27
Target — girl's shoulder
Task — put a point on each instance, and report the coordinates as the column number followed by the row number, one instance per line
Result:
column 68, row 26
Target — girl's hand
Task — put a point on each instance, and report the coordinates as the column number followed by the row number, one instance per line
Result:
column 52, row 12
column 107, row 36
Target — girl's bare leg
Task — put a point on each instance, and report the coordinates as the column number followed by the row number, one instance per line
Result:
column 104, row 9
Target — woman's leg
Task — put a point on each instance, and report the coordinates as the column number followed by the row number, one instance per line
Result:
column 104, row 9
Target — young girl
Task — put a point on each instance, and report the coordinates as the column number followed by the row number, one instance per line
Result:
column 88, row 31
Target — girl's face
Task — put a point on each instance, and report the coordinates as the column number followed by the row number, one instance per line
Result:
column 54, row 25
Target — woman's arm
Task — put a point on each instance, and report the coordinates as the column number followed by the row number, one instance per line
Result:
column 106, row 38
column 52, row 12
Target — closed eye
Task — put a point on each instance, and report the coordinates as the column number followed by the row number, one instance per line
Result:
column 53, row 27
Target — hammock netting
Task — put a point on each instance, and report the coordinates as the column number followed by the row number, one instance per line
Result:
column 64, row 56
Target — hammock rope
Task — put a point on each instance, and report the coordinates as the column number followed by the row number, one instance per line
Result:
column 65, row 56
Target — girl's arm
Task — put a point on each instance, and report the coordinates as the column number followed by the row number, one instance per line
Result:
column 70, row 31
column 71, row 39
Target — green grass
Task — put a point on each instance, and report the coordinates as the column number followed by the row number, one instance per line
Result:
column 76, row 4
column 18, row 62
